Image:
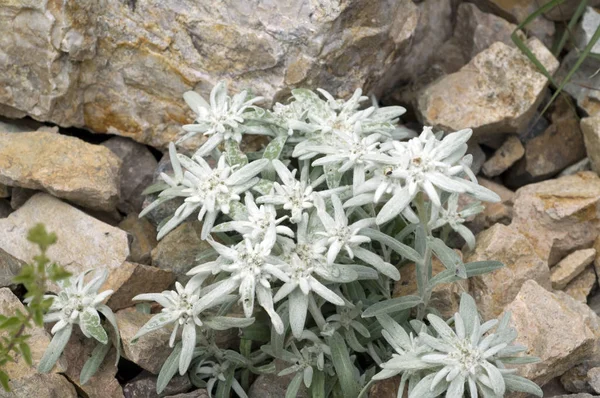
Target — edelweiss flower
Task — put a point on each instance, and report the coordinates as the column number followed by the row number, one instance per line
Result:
column 79, row 303
column 217, row 372
column 252, row 267
column 259, row 220
column 454, row 218
column 295, row 196
column 179, row 308
column 211, row 190
column 426, row 164
column 338, row 234
column 300, row 285
column 220, row 120
column 348, row 319
column 471, row 355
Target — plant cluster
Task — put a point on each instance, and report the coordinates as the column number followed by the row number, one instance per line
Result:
column 307, row 237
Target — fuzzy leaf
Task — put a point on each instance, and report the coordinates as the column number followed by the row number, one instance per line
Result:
column 343, row 365
column 55, row 348
column 392, row 305
column 90, row 325
column 168, row 370
column 93, row 363
column 518, row 383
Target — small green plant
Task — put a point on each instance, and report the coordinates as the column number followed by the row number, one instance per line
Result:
column 35, row 278
column 333, row 207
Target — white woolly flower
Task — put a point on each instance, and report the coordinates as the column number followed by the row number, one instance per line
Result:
column 180, row 307
column 259, row 220
column 215, row 372
column 294, row 195
column 252, row 267
column 426, row 164
column 210, row 190
column 338, row 234
column 452, row 216
column 470, row 356
column 77, row 303
column 220, row 120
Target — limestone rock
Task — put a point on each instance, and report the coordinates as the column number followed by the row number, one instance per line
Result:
column 576, row 379
column 142, row 236
column 518, row 11
column 557, row 147
column 64, row 166
column 445, row 297
column 273, row 386
column 83, row 241
column 103, row 384
column 583, row 165
column 581, row 286
column 497, row 92
column 136, row 173
column 570, row 267
column 590, row 126
column 551, row 330
column 583, row 83
column 131, row 279
column 152, row 349
column 511, row 151
column 493, row 291
column 144, row 386
column 386, row 388
column 18, row 371
column 9, row 268
column 41, row 385
column 593, row 376
column 178, row 250
column 587, row 27
column 122, row 67
column 564, row 11
column 20, row 196
column 560, row 215
column 474, row 31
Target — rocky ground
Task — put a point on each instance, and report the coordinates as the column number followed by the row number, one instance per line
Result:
column 91, row 94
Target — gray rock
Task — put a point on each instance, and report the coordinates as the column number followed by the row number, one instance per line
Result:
column 19, row 372
column 559, row 216
column 137, row 172
column 556, row 148
column 66, row 167
column 83, row 241
column 583, row 83
column 41, row 385
column 570, row 267
column 19, row 196
column 273, row 386
column 144, row 386
column 495, row 290
column 586, row 29
column 518, row 11
column 497, row 92
column 590, row 126
column 552, row 329
column 103, row 384
column 510, row 151
column 9, row 268
column 151, row 350
column 131, row 279
column 179, row 250
column 582, row 285
column 122, row 67
column 594, row 379
column 142, row 236
column 583, row 165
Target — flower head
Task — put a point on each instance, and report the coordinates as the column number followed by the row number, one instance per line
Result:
column 470, row 356
column 210, row 190
column 77, row 303
column 220, row 120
